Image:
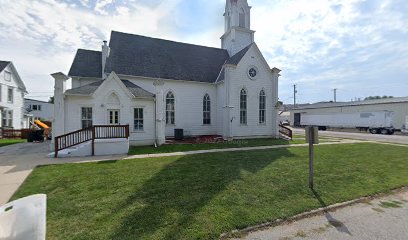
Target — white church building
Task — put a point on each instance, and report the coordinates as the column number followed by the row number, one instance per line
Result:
column 156, row 86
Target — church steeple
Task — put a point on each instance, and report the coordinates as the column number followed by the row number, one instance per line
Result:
column 238, row 33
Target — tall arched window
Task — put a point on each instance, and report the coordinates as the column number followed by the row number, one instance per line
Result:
column 262, row 107
column 170, row 109
column 242, row 18
column 206, row 110
column 243, row 107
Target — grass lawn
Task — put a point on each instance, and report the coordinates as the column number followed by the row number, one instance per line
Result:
column 202, row 196
column 6, row 142
column 205, row 146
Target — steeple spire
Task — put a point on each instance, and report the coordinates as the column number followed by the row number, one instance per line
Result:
column 238, row 33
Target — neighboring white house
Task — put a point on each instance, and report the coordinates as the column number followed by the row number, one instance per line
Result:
column 12, row 91
column 157, row 86
column 39, row 109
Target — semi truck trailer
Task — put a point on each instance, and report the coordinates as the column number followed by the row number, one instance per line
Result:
column 404, row 129
column 375, row 122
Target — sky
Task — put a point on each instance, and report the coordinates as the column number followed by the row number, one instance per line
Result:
column 359, row 47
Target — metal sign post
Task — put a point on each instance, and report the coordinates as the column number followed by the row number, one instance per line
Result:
column 312, row 137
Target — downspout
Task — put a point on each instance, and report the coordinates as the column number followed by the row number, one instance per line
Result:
column 155, row 124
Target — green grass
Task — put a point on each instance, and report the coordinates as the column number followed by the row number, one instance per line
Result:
column 6, row 142
column 202, row 196
column 205, row 146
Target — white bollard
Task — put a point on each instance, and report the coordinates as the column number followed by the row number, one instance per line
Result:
column 24, row 218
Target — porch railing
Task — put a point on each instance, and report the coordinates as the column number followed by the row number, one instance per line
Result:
column 287, row 132
column 90, row 134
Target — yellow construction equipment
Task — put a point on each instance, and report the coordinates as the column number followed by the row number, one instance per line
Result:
column 41, row 124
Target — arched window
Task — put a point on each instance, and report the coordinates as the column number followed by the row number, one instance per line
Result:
column 206, row 110
column 262, row 107
column 243, row 107
column 242, row 18
column 170, row 109
column 228, row 21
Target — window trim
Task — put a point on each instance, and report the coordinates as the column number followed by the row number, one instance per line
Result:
column 170, row 120
column 10, row 100
column 243, row 107
column 86, row 119
column 7, row 73
column 262, row 107
column 206, row 109
column 139, row 119
column 242, row 18
column 7, row 118
column 113, row 122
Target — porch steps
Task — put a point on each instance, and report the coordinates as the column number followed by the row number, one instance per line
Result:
column 81, row 150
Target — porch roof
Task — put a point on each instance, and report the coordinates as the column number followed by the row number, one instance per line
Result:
column 89, row 89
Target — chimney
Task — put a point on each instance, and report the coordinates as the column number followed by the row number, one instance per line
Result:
column 105, row 55
column 58, row 125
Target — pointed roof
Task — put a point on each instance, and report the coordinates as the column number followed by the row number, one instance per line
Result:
column 3, row 65
column 136, row 55
column 139, row 56
column 87, row 63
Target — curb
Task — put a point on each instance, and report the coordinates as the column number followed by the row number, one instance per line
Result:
column 319, row 211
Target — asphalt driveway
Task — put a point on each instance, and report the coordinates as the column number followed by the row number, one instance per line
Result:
column 399, row 139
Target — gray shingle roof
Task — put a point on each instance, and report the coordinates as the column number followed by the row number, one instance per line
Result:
column 136, row 55
column 85, row 90
column 91, row 88
column 221, row 77
column 3, row 65
column 234, row 60
column 87, row 63
column 136, row 90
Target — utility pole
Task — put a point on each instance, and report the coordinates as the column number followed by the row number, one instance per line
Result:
column 294, row 95
column 335, row 94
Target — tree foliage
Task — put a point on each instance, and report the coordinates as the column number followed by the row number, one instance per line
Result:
column 377, row 97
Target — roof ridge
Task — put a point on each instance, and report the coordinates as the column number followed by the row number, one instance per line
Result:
column 166, row 40
column 83, row 49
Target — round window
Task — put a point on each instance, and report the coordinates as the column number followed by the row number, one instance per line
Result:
column 252, row 72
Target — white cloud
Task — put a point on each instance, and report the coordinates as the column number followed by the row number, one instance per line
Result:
column 324, row 44
column 318, row 44
column 101, row 4
column 43, row 35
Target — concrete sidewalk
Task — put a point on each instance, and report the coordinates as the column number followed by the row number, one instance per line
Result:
column 235, row 149
column 383, row 218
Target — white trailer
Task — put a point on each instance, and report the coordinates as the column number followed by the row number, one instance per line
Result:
column 375, row 122
column 405, row 127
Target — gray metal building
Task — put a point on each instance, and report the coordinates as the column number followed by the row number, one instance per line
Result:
column 397, row 105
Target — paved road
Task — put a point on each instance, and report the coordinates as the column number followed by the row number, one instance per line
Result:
column 400, row 139
column 385, row 218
